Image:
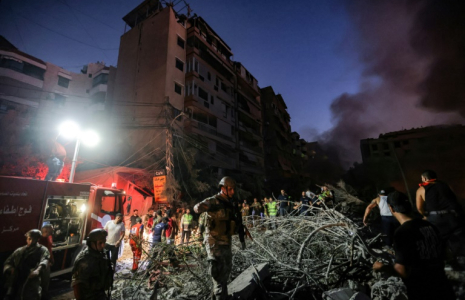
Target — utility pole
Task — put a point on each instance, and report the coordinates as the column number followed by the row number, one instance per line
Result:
column 171, row 184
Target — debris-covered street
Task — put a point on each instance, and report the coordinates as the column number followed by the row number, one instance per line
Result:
column 325, row 255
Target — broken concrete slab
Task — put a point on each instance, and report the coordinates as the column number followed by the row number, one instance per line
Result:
column 338, row 294
column 360, row 296
column 244, row 285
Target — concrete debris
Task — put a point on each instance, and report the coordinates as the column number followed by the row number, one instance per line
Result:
column 391, row 289
column 321, row 255
column 338, row 294
column 245, row 284
column 360, row 296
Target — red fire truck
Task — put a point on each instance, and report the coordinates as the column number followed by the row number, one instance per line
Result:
column 72, row 209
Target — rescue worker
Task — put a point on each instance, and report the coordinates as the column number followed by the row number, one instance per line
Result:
column 438, row 203
column 23, row 268
column 148, row 221
column 135, row 240
column 202, row 224
column 224, row 220
column 186, row 223
column 272, row 207
column 46, row 240
column 325, row 196
column 92, row 272
column 389, row 224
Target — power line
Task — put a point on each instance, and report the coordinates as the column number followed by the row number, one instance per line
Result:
column 19, row 32
column 61, row 34
column 85, row 30
column 95, row 19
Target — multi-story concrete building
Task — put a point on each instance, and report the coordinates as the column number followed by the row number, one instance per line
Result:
column 277, row 137
column 168, row 64
column 412, row 151
column 36, row 96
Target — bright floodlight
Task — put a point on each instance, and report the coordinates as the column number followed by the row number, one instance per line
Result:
column 90, row 138
column 69, row 129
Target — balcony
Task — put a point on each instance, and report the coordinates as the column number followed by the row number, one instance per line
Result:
column 252, row 167
column 9, row 73
column 211, row 132
column 99, row 88
column 250, row 146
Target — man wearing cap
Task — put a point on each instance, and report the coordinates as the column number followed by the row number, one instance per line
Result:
column 388, row 222
column 92, row 272
column 223, row 220
column 116, row 232
column 23, row 267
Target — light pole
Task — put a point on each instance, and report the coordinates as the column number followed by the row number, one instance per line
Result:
column 90, row 138
column 73, row 164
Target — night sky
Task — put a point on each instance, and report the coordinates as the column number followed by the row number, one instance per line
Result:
column 341, row 67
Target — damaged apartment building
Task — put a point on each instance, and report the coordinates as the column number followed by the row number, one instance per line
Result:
column 176, row 74
column 439, row 148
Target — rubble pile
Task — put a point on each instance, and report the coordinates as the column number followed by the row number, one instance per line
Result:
column 303, row 256
column 309, row 255
column 322, row 255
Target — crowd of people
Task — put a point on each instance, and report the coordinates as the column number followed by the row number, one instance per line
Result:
column 284, row 204
column 421, row 242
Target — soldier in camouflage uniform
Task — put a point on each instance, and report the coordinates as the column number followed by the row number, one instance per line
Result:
column 92, row 271
column 223, row 220
column 23, row 267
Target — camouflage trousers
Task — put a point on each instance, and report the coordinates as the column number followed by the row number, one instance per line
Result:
column 220, row 260
column 29, row 289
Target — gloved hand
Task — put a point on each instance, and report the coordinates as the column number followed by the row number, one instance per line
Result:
column 243, row 245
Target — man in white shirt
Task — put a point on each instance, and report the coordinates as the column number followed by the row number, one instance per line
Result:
column 389, row 224
column 116, row 232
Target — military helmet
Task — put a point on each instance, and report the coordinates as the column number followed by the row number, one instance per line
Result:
column 34, row 234
column 97, row 235
column 227, row 182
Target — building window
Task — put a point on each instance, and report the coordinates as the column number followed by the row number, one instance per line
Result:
column 206, row 104
column 177, row 88
column 179, row 65
column 212, row 100
column 90, row 75
column 374, row 147
column 209, row 76
column 203, row 94
column 64, row 82
column 102, row 78
column 201, row 78
column 181, row 42
column 22, row 67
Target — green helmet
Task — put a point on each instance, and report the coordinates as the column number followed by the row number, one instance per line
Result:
column 227, row 182
column 97, row 235
column 34, row 234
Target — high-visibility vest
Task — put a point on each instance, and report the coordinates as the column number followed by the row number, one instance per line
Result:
column 272, row 208
column 187, row 219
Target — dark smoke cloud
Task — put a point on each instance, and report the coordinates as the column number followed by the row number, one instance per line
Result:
column 413, row 72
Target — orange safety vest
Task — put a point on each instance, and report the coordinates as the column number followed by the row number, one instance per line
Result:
column 135, row 230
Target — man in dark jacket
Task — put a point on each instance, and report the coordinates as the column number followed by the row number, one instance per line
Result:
column 24, row 267
column 224, row 219
column 92, row 271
